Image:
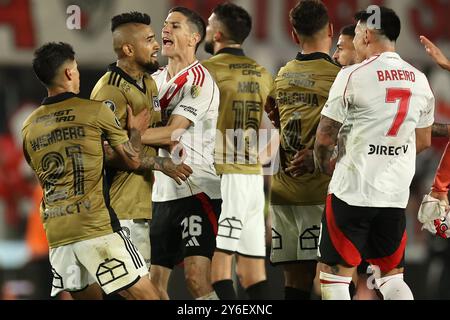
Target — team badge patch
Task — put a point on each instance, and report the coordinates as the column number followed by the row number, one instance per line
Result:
column 195, row 91
column 156, row 105
column 111, row 105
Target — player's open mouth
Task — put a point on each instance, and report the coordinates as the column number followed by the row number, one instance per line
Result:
column 167, row 42
column 155, row 55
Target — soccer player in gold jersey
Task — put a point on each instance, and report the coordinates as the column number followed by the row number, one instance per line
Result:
column 244, row 86
column 298, row 191
column 62, row 142
column 128, row 82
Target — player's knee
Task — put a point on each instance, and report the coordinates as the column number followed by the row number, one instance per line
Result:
column 195, row 278
column 249, row 275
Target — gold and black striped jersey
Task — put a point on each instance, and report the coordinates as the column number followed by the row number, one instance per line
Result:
column 62, row 142
column 130, row 192
column 244, row 87
column 301, row 90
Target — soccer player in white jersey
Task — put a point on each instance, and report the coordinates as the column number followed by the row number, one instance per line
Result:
column 184, row 224
column 380, row 112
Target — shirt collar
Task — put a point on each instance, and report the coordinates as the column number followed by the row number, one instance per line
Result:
column 314, row 56
column 233, row 51
column 58, row 98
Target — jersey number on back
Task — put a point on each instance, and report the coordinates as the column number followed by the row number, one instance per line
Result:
column 54, row 162
column 392, row 95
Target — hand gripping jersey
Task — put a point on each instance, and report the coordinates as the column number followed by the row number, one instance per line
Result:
column 130, row 192
column 193, row 94
column 62, row 142
column 380, row 102
column 301, row 90
column 244, row 86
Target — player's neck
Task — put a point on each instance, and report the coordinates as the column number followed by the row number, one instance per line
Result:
column 131, row 69
column 54, row 91
column 379, row 48
column 178, row 63
column 219, row 46
column 313, row 46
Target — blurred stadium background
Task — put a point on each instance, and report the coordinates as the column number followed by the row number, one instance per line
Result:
column 27, row 24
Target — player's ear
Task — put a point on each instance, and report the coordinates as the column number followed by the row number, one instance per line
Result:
column 68, row 73
column 128, row 49
column 295, row 37
column 218, row 36
column 330, row 30
column 195, row 38
column 368, row 36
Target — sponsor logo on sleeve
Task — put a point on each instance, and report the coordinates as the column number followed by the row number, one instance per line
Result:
column 189, row 109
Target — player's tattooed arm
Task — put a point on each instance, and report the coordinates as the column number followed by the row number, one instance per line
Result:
column 178, row 172
column 326, row 139
column 125, row 156
column 440, row 130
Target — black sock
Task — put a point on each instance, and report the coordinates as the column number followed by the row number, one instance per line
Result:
column 225, row 289
column 259, row 291
column 291, row 293
column 352, row 289
column 114, row 296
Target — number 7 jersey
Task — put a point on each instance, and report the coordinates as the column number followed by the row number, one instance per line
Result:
column 380, row 102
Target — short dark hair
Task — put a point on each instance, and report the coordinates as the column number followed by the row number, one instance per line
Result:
column 309, row 17
column 49, row 58
column 236, row 20
column 129, row 17
column 349, row 30
column 194, row 19
column 390, row 25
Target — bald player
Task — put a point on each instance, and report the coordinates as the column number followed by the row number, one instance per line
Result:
column 127, row 82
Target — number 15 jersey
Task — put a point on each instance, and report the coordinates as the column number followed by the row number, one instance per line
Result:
column 380, row 102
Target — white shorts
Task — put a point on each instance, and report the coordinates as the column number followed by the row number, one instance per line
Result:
column 295, row 232
column 241, row 222
column 139, row 233
column 112, row 261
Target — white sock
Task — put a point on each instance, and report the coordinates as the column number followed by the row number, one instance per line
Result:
column 394, row 288
column 334, row 287
column 210, row 296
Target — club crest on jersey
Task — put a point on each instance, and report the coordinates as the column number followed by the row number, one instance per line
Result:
column 111, row 105
column 195, row 91
column 156, row 105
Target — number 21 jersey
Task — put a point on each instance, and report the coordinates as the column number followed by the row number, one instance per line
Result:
column 63, row 144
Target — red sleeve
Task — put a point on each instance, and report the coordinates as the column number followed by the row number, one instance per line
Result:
column 442, row 177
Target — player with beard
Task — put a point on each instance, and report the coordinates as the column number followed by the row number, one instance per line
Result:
column 127, row 82
column 241, row 223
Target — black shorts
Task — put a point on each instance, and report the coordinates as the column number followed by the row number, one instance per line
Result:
column 183, row 228
column 350, row 234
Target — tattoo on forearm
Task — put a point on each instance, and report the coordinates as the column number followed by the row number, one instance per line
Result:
column 130, row 150
column 326, row 139
column 133, row 146
column 439, row 130
column 151, row 163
